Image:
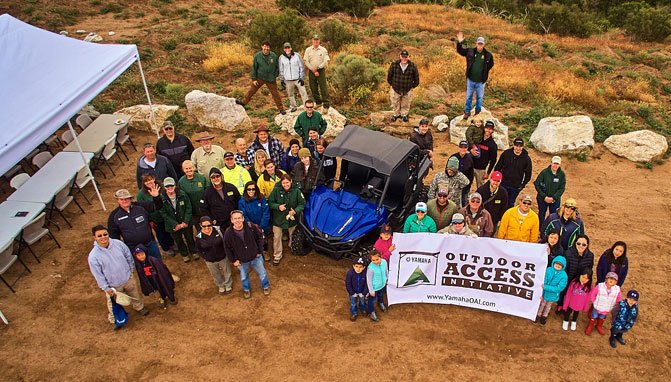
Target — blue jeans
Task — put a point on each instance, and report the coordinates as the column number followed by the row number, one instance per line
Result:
column 353, row 303
column 379, row 296
column 596, row 315
column 479, row 88
column 513, row 192
column 543, row 209
column 257, row 265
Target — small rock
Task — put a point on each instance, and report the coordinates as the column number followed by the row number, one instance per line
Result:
column 638, row 146
column 63, row 33
column 442, row 126
column 93, row 37
column 80, row 31
column 437, row 120
column 111, row 33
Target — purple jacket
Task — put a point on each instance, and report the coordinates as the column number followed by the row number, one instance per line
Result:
column 603, row 267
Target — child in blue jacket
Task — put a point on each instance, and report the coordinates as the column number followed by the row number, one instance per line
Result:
column 357, row 288
column 555, row 282
column 376, row 276
column 624, row 316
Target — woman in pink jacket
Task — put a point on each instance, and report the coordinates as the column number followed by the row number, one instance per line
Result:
column 577, row 298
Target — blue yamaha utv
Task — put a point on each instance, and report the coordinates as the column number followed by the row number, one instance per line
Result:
column 380, row 181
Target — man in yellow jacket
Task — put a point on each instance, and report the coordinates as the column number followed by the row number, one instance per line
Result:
column 236, row 174
column 520, row 223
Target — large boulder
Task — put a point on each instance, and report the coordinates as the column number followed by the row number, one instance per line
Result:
column 458, row 128
column 638, row 146
column 335, row 122
column 217, row 112
column 141, row 116
column 556, row 135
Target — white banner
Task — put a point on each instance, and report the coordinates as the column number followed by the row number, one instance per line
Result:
column 484, row 273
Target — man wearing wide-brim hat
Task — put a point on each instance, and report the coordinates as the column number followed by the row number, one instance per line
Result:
column 207, row 155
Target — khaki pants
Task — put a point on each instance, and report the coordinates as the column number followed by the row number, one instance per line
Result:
column 277, row 241
column 130, row 288
column 291, row 89
column 221, row 273
column 400, row 104
column 272, row 87
column 479, row 177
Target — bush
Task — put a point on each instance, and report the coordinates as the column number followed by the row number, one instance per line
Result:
column 359, row 8
column 643, row 22
column 279, row 28
column 564, row 20
column 356, row 76
column 175, row 93
column 613, row 124
column 336, row 34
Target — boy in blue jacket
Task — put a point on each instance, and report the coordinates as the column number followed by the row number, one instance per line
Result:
column 357, row 288
column 555, row 282
column 624, row 316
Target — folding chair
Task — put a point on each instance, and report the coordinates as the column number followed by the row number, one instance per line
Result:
column 63, row 199
column 83, row 121
column 7, row 259
column 82, row 179
column 123, row 137
column 67, row 137
column 18, row 180
column 41, row 159
column 36, row 230
column 107, row 153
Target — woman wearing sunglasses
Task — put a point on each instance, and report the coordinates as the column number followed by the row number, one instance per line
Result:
column 254, row 207
column 578, row 258
column 567, row 222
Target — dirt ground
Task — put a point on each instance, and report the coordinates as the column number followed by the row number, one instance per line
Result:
column 58, row 327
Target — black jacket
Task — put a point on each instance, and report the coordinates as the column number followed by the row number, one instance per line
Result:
column 177, row 151
column 211, row 248
column 465, row 165
column 516, row 169
column 469, row 53
column 219, row 209
column 488, row 154
column 133, row 225
column 243, row 250
column 425, row 142
column 497, row 205
column 575, row 263
column 160, row 171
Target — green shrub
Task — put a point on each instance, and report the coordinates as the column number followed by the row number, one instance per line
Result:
column 336, row 34
column 359, row 8
column 356, row 76
column 111, row 8
column 649, row 24
column 612, row 124
column 279, row 28
column 564, row 20
column 175, row 93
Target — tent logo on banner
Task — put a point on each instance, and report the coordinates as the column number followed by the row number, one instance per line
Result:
column 417, row 268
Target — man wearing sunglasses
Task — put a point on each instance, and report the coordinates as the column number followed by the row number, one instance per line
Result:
column 112, row 266
column 174, row 146
column 520, row 223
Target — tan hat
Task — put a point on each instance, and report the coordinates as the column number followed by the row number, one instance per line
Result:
column 304, row 152
column 526, row 198
column 122, row 298
column 570, row 202
column 123, row 194
column 204, row 135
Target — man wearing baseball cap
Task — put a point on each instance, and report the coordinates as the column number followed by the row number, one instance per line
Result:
column 550, row 185
column 458, row 226
column 515, row 165
column 402, row 77
column 130, row 220
column 494, row 197
column 484, row 155
column 520, row 223
column 234, row 173
column 219, row 199
column 465, row 167
column 419, row 221
column 441, row 208
column 207, row 155
column 316, row 59
column 479, row 62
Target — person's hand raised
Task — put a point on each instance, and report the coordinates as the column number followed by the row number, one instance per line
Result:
column 460, row 36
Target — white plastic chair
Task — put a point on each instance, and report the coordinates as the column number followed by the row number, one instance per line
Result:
column 34, row 231
column 108, row 152
column 83, row 121
column 122, row 138
column 18, row 180
column 41, row 159
column 81, row 180
column 67, row 136
column 7, row 259
column 62, row 199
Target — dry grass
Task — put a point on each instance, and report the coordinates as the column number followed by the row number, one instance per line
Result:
column 226, row 55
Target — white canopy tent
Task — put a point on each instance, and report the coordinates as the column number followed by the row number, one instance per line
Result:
column 45, row 79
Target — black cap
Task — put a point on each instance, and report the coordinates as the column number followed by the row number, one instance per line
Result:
column 518, row 142
column 489, row 124
column 229, row 154
column 215, row 170
column 404, row 53
column 463, row 144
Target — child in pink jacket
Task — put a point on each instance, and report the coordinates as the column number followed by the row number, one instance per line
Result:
column 604, row 297
column 384, row 244
column 577, row 298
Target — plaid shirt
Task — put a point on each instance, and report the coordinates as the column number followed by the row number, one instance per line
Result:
column 274, row 146
column 402, row 82
column 247, row 162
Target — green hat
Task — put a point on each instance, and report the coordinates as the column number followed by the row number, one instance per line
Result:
column 315, row 37
column 304, row 152
column 287, row 45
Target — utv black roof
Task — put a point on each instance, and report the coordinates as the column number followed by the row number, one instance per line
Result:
column 369, row 148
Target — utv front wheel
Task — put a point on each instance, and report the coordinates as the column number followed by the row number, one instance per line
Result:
column 298, row 243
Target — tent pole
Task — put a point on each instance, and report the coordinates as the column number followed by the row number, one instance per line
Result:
column 146, row 90
column 93, row 180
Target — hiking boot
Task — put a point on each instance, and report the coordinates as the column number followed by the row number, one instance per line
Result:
column 195, row 256
column 293, row 109
column 383, row 308
column 161, row 303
column 143, row 311
column 228, row 291
column 619, row 339
column 467, row 115
column 283, row 112
column 535, row 321
column 266, row 256
column 564, row 325
column 405, row 118
column 266, row 291
column 611, row 340
column 373, row 317
column 239, row 102
column 246, row 294
column 173, row 302
column 395, row 117
column 276, row 262
column 353, row 317
column 574, row 325
column 543, row 320
column 222, row 290
column 118, row 327
column 186, row 259
column 477, row 112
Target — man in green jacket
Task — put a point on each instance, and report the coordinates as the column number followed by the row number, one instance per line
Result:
column 550, row 185
column 307, row 119
column 264, row 72
column 193, row 185
column 176, row 213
